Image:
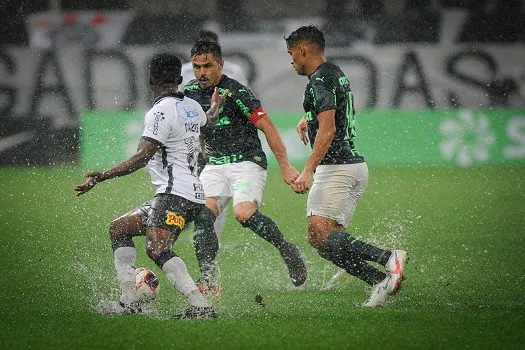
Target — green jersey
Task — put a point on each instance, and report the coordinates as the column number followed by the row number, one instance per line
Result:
column 329, row 88
column 234, row 137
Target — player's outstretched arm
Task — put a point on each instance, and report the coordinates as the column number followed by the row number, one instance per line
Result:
column 323, row 140
column 145, row 151
column 217, row 100
column 278, row 148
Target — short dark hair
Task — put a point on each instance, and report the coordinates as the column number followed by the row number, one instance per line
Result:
column 202, row 47
column 310, row 33
column 207, row 35
column 165, row 69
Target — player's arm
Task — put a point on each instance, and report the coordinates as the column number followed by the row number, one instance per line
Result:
column 323, row 140
column 278, row 148
column 145, row 151
column 217, row 100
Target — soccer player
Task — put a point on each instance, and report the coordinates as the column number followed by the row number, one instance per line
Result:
column 169, row 149
column 236, row 164
column 339, row 173
column 232, row 70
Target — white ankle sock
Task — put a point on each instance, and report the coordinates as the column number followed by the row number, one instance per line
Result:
column 177, row 274
column 124, row 259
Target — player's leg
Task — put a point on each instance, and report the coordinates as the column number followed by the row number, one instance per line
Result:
column 248, row 180
column 168, row 217
column 220, row 221
column 217, row 191
column 121, row 233
column 331, row 203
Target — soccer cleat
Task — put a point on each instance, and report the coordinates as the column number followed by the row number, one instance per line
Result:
column 295, row 264
column 395, row 267
column 197, row 313
column 380, row 292
column 206, row 287
column 116, row 307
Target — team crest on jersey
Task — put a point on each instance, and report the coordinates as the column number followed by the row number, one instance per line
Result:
column 173, row 219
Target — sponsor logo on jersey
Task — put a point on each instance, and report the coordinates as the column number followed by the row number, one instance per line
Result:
column 159, row 116
column 173, row 219
column 193, row 127
column 191, row 113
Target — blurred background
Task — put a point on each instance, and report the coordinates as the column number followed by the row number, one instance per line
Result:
column 445, row 77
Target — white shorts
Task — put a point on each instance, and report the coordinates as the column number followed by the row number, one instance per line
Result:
column 244, row 182
column 336, row 190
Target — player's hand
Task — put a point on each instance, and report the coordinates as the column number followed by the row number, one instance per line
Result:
column 218, row 98
column 92, row 179
column 290, row 174
column 302, row 183
column 302, row 128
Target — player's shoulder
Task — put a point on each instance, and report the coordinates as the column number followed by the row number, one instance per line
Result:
column 192, row 86
column 326, row 74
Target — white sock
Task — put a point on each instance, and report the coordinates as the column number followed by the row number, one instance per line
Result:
column 220, row 221
column 177, row 274
column 124, row 259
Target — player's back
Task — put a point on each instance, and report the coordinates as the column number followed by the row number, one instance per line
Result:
column 174, row 123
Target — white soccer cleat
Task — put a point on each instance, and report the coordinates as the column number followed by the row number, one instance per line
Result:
column 395, row 267
column 380, row 292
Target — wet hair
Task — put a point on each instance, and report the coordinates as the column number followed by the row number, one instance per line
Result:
column 207, row 35
column 310, row 34
column 165, row 69
column 202, row 47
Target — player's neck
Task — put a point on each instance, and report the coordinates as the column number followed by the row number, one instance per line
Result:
column 314, row 64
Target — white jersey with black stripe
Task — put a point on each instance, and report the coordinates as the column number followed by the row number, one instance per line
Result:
column 174, row 124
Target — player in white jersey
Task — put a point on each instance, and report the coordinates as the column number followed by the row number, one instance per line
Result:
column 169, row 149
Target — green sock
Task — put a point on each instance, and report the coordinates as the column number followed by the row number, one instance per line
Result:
column 265, row 228
column 338, row 250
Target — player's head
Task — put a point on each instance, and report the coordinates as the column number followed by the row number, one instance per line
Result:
column 207, row 35
column 303, row 43
column 164, row 70
column 207, row 61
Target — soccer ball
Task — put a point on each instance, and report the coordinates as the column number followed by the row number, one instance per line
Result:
column 147, row 284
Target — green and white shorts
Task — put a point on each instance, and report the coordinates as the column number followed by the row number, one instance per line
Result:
column 242, row 182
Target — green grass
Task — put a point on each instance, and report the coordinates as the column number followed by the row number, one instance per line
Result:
column 464, row 229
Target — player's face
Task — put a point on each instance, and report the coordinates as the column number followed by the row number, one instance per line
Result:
column 207, row 70
column 297, row 59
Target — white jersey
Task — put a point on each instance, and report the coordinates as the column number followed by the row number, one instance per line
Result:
column 230, row 69
column 174, row 124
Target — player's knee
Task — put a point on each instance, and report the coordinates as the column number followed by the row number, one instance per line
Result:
column 243, row 213
column 160, row 258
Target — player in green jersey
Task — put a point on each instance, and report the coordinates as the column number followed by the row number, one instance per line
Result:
column 236, row 164
column 335, row 175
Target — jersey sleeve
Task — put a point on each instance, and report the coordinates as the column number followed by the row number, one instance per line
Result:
column 249, row 104
column 324, row 92
column 157, row 125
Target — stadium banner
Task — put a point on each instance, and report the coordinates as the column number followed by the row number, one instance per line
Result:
column 56, row 87
column 450, row 137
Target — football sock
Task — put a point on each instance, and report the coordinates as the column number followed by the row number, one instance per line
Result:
column 124, row 259
column 177, row 274
column 220, row 221
column 264, row 227
column 205, row 241
column 369, row 252
column 338, row 249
